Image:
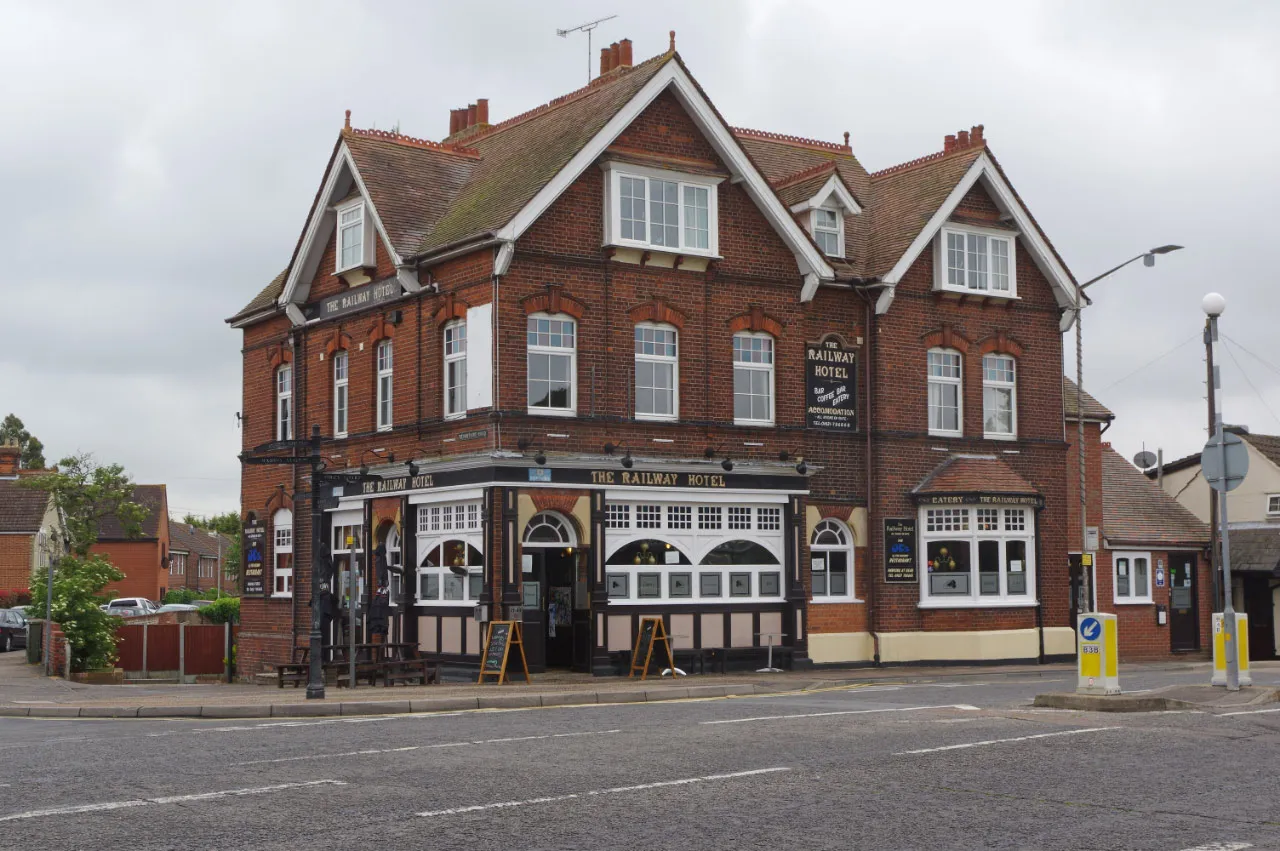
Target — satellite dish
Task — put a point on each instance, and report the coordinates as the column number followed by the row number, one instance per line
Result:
column 1145, row 460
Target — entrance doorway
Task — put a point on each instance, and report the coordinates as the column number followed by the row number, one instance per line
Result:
column 1184, row 608
column 1259, row 607
column 549, row 568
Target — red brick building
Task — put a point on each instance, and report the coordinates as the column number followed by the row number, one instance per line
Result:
column 197, row 559
column 28, row 523
column 144, row 558
column 631, row 360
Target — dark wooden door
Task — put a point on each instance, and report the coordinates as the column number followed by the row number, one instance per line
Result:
column 1258, row 606
column 1184, row 608
column 533, row 591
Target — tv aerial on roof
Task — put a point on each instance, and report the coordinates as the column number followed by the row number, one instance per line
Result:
column 586, row 28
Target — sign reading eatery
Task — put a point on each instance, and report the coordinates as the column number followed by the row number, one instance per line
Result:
column 254, row 573
column 830, row 372
column 900, row 550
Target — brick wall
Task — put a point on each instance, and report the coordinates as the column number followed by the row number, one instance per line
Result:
column 16, row 554
column 144, row 576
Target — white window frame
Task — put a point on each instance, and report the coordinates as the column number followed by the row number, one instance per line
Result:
column 436, row 524
column 454, row 349
column 177, row 564
column 341, row 393
column 284, row 401
column 1273, row 504
column 282, row 544
column 945, row 381
column 572, row 353
column 818, row 561
column 965, row 520
column 614, row 172
column 340, row 227
column 207, row 567
column 975, row 282
column 384, row 362
column 815, row 229
column 989, row 383
column 1131, row 559
column 658, row 360
column 770, row 369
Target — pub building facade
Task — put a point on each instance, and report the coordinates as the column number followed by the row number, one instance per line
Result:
column 613, row 357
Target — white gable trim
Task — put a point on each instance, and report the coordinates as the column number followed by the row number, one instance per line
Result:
column 984, row 169
column 808, row 258
column 319, row 226
column 833, row 186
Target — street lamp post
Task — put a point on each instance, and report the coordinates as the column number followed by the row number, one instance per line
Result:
column 1148, row 258
column 1213, row 305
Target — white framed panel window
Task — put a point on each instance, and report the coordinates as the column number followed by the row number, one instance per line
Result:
column 753, row 382
column 831, row 562
column 385, row 367
column 657, row 372
column 354, row 237
column 455, row 369
column 946, row 396
column 1131, row 575
column 284, row 402
column 1273, row 504
column 341, row 402
column 450, row 571
column 976, row 260
column 999, row 397
column 177, row 563
column 553, row 365
column 282, row 553
column 827, row 226
column 981, row 556
column 660, row 209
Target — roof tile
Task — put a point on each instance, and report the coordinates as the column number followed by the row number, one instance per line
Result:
column 1135, row 510
column 974, row 474
column 22, row 509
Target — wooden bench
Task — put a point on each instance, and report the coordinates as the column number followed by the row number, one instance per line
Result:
column 296, row 672
column 405, row 670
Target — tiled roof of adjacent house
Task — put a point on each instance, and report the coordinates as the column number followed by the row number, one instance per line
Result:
column 974, row 474
column 150, row 497
column 1268, row 445
column 1137, row 511
column 1256, row 548
column 1093, row 409
column 191, row 539
column 22, row 509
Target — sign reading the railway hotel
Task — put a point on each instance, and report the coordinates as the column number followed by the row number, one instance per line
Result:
column 829, row 385
column 355, row 299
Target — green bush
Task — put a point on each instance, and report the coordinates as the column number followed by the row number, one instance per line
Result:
column 223, row 610
column 77, row 594
column 187, row 596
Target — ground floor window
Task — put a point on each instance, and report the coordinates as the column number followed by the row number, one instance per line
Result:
column 1132, row 577
column 831, row 561
column 977, row 555
column 450, row 570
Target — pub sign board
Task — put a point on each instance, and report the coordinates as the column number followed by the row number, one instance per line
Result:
column 355, row 299
column 830, row 372
column 255, row 571
column 900, row 550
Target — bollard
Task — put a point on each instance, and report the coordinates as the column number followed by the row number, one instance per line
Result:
column 1220, row 650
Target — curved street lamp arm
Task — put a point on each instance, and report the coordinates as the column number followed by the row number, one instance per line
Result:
column 1092, row 281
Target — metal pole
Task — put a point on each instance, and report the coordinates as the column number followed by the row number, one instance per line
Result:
column 48, row 623
column 1214, row 555
column 315, row 674
column 353, row 605
column 1228, row 609
column 1086, row 573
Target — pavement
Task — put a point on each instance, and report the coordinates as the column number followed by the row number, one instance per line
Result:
column 911, row 760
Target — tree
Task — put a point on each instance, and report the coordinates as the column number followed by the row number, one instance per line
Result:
column 12, row 429
column 84, row 493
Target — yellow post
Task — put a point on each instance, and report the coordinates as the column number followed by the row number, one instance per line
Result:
column 1220, row 650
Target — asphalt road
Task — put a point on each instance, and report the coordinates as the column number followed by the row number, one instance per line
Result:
column 944, row 765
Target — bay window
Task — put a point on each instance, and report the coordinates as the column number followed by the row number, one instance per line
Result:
column 999, row 397
column 1132, row 577
column 977, row 556
column 945, row 395
column 552, row 354
column 657, row 370
column 455, row 368
column 656, row 208
column 976, row 261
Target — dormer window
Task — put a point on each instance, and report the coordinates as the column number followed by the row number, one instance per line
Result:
column 825, row 211
column 828, row 231
column 976, row 261
column 658, row 209
column 354, row 247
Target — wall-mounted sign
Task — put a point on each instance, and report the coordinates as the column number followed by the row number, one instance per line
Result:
column 900, row 550
column 830, row 379
column 474, row 434
column 254, row 574
column 1034, row 500
column 355, row 299
column 539, row 474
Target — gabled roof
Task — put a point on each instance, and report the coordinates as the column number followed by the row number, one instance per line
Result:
column 1137, row 512
column 22, row 509
column 150, row 497
column 190, row 539
column 1267, row 445
column 974, row 474
column 1256, row 548
column 1093, row 409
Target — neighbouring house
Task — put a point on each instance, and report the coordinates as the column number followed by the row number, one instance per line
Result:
column 197, row 559
column 1253, row 514
column 28, row 523
column 612, row 357
column 144, row 559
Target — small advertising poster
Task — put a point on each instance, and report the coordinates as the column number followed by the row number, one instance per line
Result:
column 830, row 370
column 900, row 550
column 254, row 572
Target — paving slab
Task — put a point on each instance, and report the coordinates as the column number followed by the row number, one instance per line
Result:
column 669, row 693
column 311, row 709
column 570, row 698
column 14, row 711
column 508, row 701
column 636, row 695
column 377, row 707
column 232, row 711
column 168, row 711
column 443, row 704
column 1202, row 698
column 108, row 712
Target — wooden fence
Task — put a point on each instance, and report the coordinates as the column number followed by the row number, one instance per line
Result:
column 168, row 651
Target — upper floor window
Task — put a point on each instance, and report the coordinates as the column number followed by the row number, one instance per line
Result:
column 999, row 396
column 654, row 208
column 1273, row 503
column 384, row 385
column 552, row 365
column 753, row 378
column 351, row 235
column 340, row 394
column 284, row 402
column 657, row 372
column 944, row 392
column 1132, row 577
column 977, row 261
column 455, row 368
column 282, row 553
column 177, row 564
column 828, row 231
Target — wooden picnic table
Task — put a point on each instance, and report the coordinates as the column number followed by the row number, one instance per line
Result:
column 394, row 662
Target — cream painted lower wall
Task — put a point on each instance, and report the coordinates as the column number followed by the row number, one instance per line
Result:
column 841, row 647
column 1059, row 641
column 959, row 646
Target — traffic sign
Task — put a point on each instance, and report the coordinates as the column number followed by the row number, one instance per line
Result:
column 1226, row 478
column 1090, row 629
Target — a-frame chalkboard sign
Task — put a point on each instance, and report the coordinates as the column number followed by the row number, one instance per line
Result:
column 499, row 640
column 651, row 632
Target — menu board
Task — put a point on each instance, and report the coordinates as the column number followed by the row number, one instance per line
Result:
column 502, row 637
column 830, row 372
column 900, row 550
column 253, row 574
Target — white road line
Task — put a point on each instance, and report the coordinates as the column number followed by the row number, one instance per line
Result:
column 424, row 747
column 1002, row 741
column 594, row 792
column 963, row 706
column 277, row 724
column 1221, row 846
column 171, row 799
column 1247, row 712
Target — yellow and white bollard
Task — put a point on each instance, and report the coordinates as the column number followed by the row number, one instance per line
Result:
column 1220, row 643
column 1097, row 654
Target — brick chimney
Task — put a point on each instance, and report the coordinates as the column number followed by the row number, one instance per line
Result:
column 624, row 53
column 605, row 56
column 971, row 138
column 471, row 115
column 949, row 144
column 9, row 457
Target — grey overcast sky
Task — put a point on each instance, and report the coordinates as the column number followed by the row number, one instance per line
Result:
column 161, row 157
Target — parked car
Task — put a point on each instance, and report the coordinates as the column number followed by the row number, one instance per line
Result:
column 200, row 604
column 13, row 629
column 177, row 607
column 131, row 606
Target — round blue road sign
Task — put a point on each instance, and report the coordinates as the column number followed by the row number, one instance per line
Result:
column 1090, row 629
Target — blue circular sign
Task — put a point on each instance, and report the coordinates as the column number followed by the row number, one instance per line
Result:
column 1090, row 629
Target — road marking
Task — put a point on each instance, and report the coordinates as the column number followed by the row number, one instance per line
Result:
column 170, row 799
column 595, row 792
column 1247, row 712
column 424, row 747
column 1002, row 741
column 1221, row 846
column 963, row 706
column 322, row 722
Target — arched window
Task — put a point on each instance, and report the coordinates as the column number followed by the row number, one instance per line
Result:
column 999, row 397
column 657, row 372
column 548, row 530
column 284, row 402
column 450, row 569
column 282, row 553
column 753, row 378
column 945, row 396
column 455, row 368
column 340, row 405
column 831, row 561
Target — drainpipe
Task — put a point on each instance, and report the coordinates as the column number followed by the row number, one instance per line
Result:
column 872, row 609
